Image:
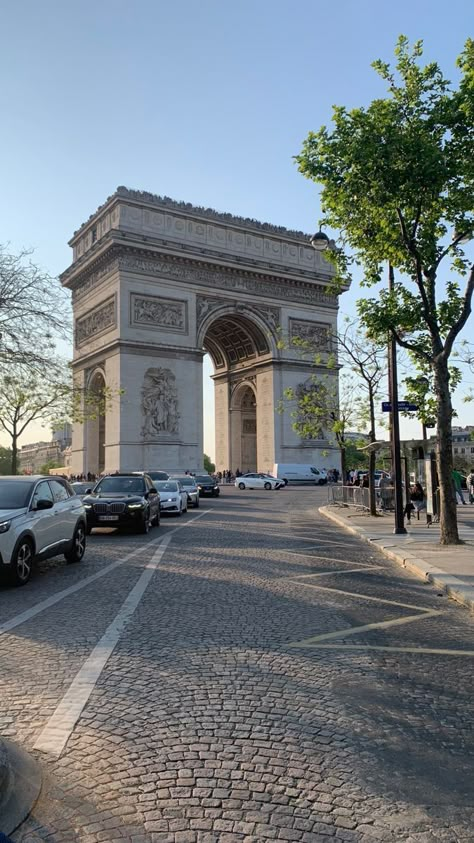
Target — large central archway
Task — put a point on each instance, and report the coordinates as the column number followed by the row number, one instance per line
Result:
column 241, row 348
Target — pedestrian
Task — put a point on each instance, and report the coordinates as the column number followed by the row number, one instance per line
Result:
column 457, row 480
column 417, row 499
column 470, row 485
column 386, row 493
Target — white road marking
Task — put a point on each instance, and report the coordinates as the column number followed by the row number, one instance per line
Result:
column 59, row 728
column 355, row 630
column 417, row 650
column 326, row 558
column 363, row 596
column 335, row 573
column 22, row 617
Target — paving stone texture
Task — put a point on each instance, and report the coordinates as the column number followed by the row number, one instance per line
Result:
column 210, row 721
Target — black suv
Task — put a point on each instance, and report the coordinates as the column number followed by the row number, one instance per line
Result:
column 123, row 500
column 207, row 485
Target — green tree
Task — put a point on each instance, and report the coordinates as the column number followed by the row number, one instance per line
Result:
column 398, row 183
column 5, row 460
column 49, row 395
column 44, row 469
column 208, row 465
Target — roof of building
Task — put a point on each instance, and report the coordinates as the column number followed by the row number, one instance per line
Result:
column 153, row 199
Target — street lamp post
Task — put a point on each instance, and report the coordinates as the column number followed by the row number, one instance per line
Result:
column 399, row 527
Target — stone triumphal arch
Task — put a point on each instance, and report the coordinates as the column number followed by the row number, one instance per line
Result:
column 155, row 285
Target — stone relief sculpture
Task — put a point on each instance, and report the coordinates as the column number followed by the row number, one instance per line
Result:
column 155, row 311
column 100, row 319
column 316, row 333
column 159, row 403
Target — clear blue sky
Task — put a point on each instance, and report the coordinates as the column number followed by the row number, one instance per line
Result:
column 202, row 101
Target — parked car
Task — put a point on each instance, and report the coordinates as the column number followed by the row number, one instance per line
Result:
column 189, row 485
column 157, row 475
column 255, row 480
column 207, row 485
column 80, row 489
column 173, row 496
column 123, row 500
column 300, row 473
column 40, row 517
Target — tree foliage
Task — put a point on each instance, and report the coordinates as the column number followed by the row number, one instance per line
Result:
column 34, row 312
column 209, row 465
column 398, row 183
column 51, row 399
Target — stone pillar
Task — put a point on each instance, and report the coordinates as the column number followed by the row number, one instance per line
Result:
column 222, row 422
column 266, row 417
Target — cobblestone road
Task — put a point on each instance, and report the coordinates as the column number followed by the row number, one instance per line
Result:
column 240, row 703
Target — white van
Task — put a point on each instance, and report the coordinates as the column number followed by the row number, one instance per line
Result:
column 295, row 473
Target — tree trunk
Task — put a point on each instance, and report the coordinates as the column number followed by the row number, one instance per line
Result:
column 343, row 462
column 14, row 454
column 372, row 455
column 448, row 527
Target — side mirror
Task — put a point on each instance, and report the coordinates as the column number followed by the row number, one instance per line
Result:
column 44, row 503
column 88, row 492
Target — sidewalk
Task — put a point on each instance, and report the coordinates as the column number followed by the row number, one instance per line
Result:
column 449, row 568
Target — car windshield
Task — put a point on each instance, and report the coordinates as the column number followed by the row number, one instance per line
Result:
column 158, row 475
column 123, row 485
column 186, row 481
column 80, row 488
column 14, row 494
column 167, row 486
column 204, row 479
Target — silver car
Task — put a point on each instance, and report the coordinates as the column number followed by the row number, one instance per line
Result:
column 189, row 485
column 40, row 517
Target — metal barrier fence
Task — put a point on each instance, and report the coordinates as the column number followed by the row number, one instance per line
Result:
column 358, row 496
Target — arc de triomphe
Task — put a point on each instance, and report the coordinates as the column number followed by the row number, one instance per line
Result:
column 155, row 285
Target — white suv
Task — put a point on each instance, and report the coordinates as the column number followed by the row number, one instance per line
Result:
column 40, row 517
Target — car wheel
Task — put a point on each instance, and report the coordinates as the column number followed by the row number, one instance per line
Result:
column 320, row 482
column 241, row 485
column 22, row 562
column 285, row 482
column 145, row 524
column 78, row 546
column 267, row 486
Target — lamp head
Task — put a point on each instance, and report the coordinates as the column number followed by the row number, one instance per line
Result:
column 320, row 241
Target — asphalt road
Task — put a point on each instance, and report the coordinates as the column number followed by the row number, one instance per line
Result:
column 245, row 673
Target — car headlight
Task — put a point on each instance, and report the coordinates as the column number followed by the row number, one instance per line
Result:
column 87, row 506
column 135, row 506
column 4, row 526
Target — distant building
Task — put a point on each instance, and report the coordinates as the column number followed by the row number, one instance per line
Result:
column 32, row 457
column 463, row 442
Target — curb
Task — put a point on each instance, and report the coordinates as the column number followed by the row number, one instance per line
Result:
column 452, row 586
column 20, row 777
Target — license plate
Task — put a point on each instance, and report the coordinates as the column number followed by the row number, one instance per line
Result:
column 108, row 518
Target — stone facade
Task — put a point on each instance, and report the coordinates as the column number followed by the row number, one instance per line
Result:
column 155, row 285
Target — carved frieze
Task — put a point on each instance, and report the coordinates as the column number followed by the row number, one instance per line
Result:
column 317, row 334
column 159, row 403
column 216, row 278
column 207, row 304
column 96, row 321
column 95, row 280
column 157, row 312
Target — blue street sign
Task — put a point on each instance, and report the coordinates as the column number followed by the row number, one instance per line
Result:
column 403, row 406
